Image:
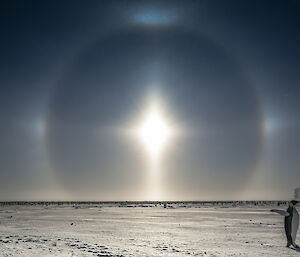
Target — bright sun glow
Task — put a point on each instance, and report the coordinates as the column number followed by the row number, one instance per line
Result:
column 154, row 132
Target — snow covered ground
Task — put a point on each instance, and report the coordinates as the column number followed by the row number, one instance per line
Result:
column 104, row 230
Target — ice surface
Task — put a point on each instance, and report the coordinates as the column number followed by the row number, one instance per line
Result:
column 109, row 230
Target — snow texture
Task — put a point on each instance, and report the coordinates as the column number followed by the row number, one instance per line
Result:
column 114, row 230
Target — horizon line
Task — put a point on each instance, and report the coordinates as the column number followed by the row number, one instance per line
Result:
column 136, row 201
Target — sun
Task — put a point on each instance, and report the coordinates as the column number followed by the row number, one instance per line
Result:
column 154, row 132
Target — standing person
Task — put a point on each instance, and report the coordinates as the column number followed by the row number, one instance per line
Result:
column 291, row 220
column 291, row 223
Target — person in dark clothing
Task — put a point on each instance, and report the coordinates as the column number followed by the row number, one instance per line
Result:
column 291, row 222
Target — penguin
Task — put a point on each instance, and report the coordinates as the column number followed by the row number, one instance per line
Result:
column 291, row 223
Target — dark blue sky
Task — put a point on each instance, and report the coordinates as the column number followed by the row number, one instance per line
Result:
column 75, row 74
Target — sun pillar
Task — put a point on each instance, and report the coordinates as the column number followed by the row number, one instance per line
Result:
column 154, row 132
